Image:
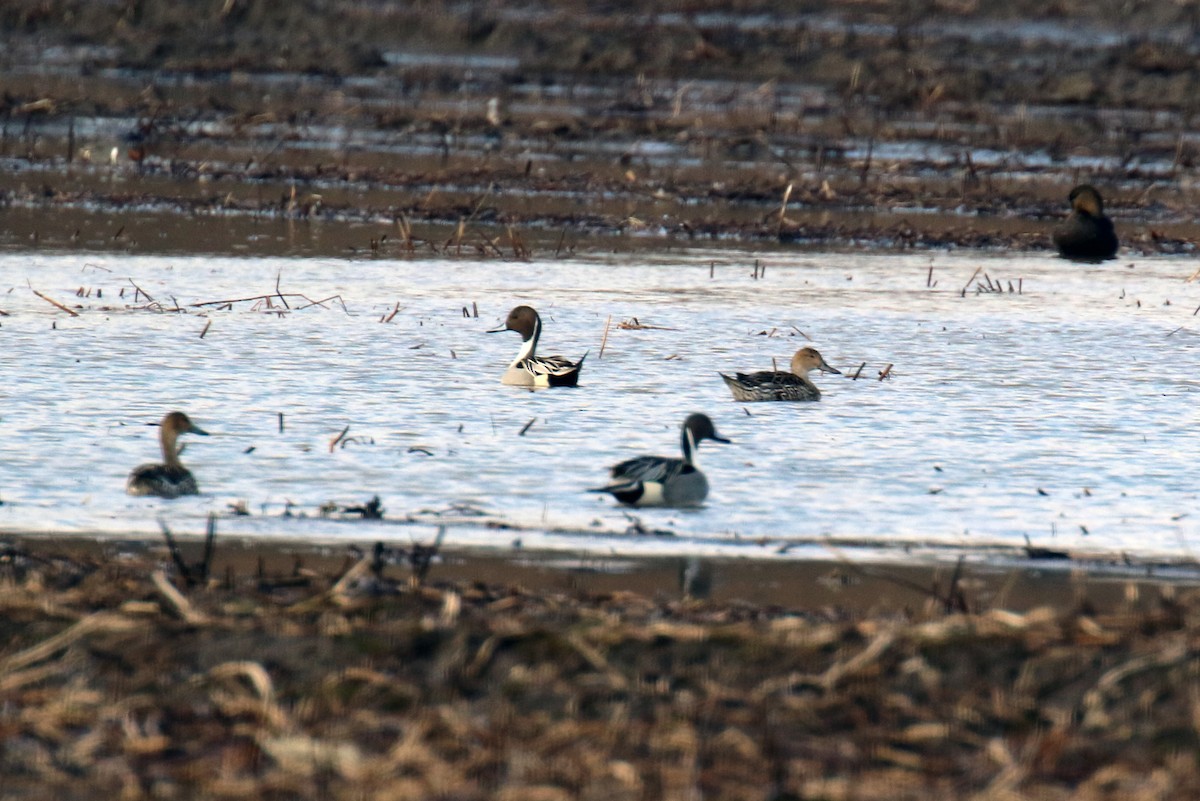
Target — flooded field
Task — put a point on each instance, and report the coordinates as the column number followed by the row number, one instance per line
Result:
column 1058, row 411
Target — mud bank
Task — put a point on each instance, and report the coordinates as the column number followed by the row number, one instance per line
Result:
column 955, row 125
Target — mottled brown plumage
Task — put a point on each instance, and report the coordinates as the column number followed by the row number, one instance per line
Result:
column 169, row 479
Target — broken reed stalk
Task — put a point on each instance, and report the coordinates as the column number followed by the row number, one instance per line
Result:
column 137, row 290
column 526, row 427
column 178, row 604
column 405, row 229
column 969, row 280
column 858, row 372
column 787, row 194
column 456, row 240
column 207, row 325
column 422, row 556
column 604, row 340
column 97, row 621
column 259, row 298
column 278, row 294
column 55, row 303
column 520, row 252
column 176, row 555
column 333, row 443
column 885, row 372
column 210, row 545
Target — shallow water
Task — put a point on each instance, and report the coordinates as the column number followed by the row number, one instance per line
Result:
column 1065, row 414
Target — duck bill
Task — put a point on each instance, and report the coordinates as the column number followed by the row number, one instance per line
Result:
column 825, row 368
column 716, row 438
column 499, row 330
column 195, row 429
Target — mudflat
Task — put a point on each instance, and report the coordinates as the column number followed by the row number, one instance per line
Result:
column 385, row 129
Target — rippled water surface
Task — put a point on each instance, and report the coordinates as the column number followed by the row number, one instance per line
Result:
column 1066, row 413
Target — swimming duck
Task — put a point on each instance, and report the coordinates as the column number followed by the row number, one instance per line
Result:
column 170, row 479
column 661, row 480
column 1086, row 234
column 776, row 385
column 529, row 369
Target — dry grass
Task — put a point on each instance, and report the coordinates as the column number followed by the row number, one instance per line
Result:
column 372, row 683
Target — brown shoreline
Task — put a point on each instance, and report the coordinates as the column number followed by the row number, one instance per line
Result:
column 852, row 587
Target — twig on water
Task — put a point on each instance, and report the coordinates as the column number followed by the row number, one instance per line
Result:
column 54, row 302
column 633, row 324
column 885, row 372
column 333, row 443
column 278, row 294
column 858, row 372
column 526, row 427
column 969, row 280
column 604, row 341
column 137, row 290
column 207, row 325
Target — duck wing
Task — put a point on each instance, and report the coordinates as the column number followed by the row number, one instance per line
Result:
column 768, row 378
column 164, row 481
column 554, row 371
column 769, row 385
column 649, row 468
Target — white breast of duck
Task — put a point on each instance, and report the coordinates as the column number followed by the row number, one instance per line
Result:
column 528, row 369
column 776, row 385
column 664, row 481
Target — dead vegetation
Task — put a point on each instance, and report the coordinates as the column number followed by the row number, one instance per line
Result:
column 381, row 681
column 496, row 133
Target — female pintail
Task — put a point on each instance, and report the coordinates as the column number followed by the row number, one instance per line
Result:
column 1087, row 234
column 529, row 369
column 661, row 480
column 169, row 479
column 776, row 385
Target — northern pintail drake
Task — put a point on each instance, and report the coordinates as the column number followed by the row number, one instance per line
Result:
column 661, row 480
column 169, row 479
column 776, row 385
column 529, row 369
column 1087, row 234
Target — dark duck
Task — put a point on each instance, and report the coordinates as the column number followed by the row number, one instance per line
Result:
column 1087, row 234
